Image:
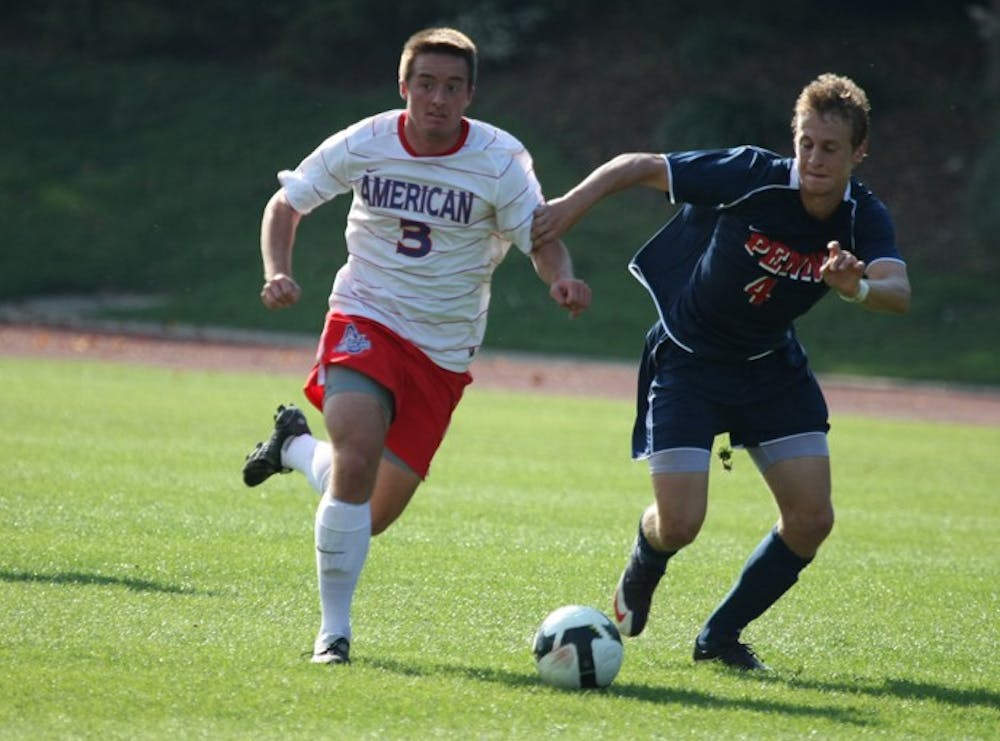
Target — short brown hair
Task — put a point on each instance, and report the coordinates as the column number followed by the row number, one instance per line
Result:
column 840, row 96
column 440, row 41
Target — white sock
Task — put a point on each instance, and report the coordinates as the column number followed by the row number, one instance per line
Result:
column 343, row 532
column 311, row 457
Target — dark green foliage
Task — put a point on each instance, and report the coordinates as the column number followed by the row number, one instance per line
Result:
column 984, row 207
column 714, row 121
column 129, row 171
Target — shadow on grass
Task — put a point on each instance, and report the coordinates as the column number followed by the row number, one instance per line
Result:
column 899, row 689
column 904, row 689
column 82, row 579
column 645, row 693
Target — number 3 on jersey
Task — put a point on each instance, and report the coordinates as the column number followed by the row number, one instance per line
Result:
column 416, row 239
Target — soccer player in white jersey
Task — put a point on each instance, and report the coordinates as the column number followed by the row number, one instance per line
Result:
column 438, row 199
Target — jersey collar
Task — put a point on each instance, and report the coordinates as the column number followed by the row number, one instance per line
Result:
column 401, row 127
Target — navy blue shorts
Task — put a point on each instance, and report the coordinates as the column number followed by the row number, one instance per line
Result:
column 684, row 401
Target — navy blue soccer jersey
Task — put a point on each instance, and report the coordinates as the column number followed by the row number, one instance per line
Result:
column 741, row 259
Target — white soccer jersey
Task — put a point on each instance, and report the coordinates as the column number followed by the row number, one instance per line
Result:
column 424, row 233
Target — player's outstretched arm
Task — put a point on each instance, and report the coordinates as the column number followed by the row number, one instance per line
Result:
column 277, row 237
column 554, row 266
column 559, row 215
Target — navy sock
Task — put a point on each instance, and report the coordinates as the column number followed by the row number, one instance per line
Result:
column 770, row 571
column 649, row 556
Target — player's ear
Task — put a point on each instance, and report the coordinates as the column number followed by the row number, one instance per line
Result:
column 404, row 90
column 860, row 152
column 470, row 90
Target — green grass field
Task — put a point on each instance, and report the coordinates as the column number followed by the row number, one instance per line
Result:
column 145, row 593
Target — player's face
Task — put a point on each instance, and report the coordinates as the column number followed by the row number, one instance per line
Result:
column 437, row 94
column 825, row 155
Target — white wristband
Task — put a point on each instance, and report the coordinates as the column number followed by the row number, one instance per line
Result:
column 860, row 296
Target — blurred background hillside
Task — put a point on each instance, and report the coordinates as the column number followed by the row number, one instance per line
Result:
column 142, row 137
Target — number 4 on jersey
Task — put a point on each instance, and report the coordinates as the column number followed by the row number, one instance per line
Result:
column 759, row 290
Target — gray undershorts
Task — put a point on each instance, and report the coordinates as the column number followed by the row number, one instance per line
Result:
column 764, row 455
column 338, row 379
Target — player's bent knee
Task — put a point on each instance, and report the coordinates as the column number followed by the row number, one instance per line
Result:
column 809, row 528
column 674, row 534
column 823, row 524
column 353, row 474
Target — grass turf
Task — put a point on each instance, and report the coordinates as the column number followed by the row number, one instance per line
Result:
column 146, row 593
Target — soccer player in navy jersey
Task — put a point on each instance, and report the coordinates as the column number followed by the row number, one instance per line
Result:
column 759, row 240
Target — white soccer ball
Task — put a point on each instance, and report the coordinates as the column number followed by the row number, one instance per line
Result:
column 578, row 647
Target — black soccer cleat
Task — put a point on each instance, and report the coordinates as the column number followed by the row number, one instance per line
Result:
column 265, row 460
column 338, row 652
column 634, row 594
column 735, row 655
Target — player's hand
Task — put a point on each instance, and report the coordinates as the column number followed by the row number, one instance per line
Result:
column 280, row 291
column 572, row 294
column 841, row 270
column 551, row 220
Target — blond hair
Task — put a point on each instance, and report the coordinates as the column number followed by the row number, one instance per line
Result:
column 837, row 95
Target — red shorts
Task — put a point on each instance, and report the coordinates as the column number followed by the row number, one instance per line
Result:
column 424, row 394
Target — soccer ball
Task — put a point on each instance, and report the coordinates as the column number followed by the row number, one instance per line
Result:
column 578, row 647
